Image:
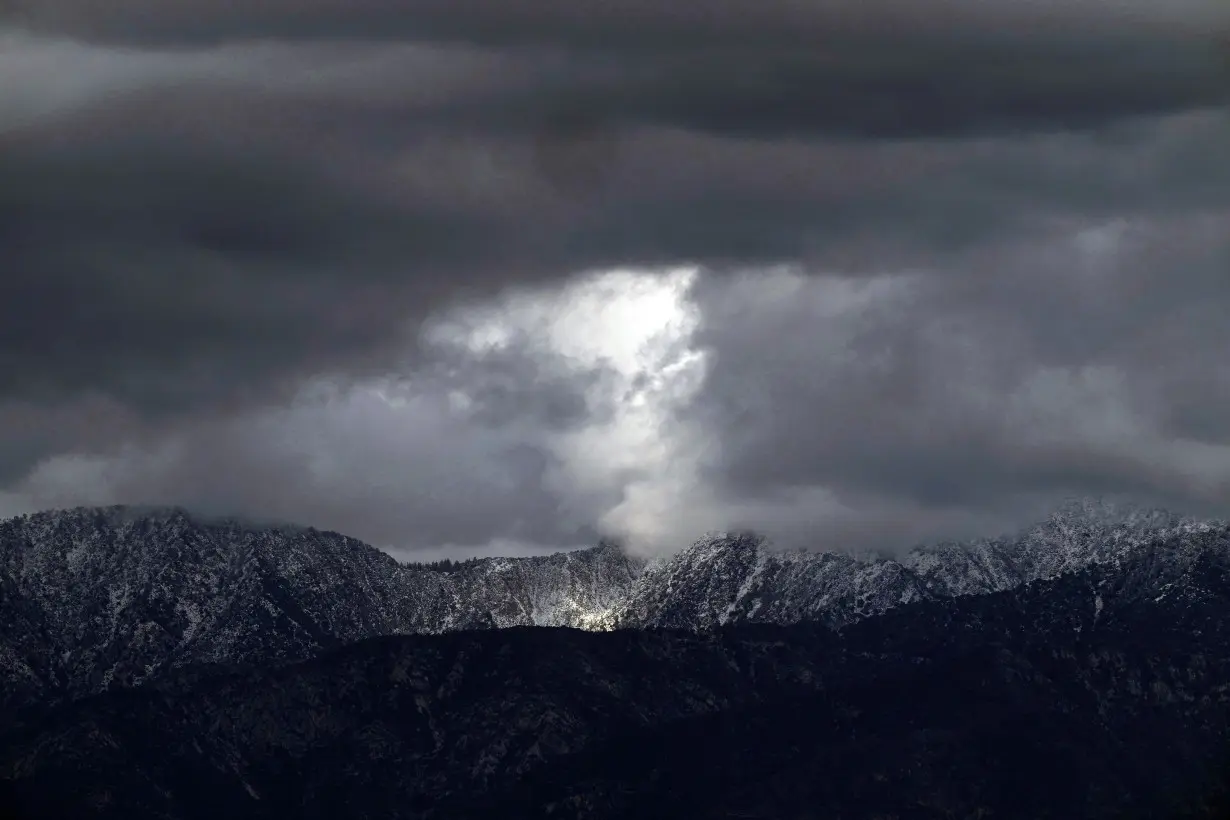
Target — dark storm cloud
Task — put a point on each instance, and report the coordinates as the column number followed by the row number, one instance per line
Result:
column 916, row 89
column 193, row 245
column 204, row 206
column 135, row 269
column 591, row 23
column 883, row 68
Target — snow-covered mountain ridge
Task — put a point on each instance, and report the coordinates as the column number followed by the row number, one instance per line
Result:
column 1110, row 693
column 728, row 578
column 96, row 598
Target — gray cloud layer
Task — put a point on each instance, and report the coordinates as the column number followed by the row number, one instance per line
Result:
column 595, row 23
column 1025, row 374
column 204, row 207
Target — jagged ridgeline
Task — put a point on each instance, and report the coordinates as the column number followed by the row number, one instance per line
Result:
column 161, row 665
column 1099, row 694
column 98, row 598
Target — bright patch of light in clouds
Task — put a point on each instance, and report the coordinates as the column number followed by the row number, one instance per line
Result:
column 639, row 326
column 620, row 319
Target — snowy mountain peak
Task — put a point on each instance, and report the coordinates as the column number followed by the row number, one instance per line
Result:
column 1111, row 514
column 727, row 577
column 96, row 597
column 712, row 542
column 93, row 598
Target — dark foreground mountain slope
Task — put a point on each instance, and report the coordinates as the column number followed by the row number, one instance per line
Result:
column 1103, row 693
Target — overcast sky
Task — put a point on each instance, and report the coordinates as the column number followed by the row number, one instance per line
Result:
column 467, row 277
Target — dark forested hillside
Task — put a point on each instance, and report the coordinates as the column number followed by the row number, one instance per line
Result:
column 1103, row 693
